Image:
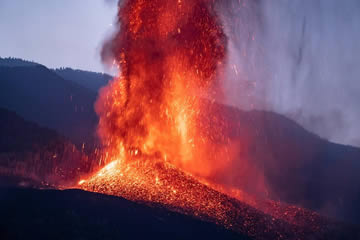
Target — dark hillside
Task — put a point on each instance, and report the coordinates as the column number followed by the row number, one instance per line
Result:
column 41, row 96
column 295, row 165
column 39, row 154
column 20, row 135
column 91, row 80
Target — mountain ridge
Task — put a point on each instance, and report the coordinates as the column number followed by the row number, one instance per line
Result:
column 41, row 96
column 91, row 80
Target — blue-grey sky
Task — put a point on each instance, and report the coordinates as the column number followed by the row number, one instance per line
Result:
column 56, row 33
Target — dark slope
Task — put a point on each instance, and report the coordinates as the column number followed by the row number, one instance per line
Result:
column 74, row 214
column 295, row 165
column 20, row 135
column 40, row 95
column 91, row 80
column 30, row 151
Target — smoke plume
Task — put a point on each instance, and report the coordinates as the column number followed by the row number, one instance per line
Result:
column 298, row 58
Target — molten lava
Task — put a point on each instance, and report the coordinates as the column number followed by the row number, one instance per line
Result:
column 155, row 182
column 169, row 52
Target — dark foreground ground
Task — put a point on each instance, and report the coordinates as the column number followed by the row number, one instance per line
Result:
column 75, row 214
column 28, row 213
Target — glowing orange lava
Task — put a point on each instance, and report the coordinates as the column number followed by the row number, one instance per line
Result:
column 158, row 183
column 169, row 52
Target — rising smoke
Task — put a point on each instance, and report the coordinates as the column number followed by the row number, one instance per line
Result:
column 299, row 58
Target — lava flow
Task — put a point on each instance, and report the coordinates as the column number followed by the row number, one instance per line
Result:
column 157, row 183
column 170, row 54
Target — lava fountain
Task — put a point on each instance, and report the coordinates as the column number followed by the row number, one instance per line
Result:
column 168, row 52
column 156, row 146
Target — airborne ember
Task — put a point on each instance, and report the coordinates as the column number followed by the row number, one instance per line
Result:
column 168, row 52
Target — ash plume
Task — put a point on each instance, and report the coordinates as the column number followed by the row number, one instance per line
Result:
column 299, row 59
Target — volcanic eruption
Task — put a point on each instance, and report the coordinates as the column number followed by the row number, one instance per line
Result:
column 168, row 53
column 158, row 142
